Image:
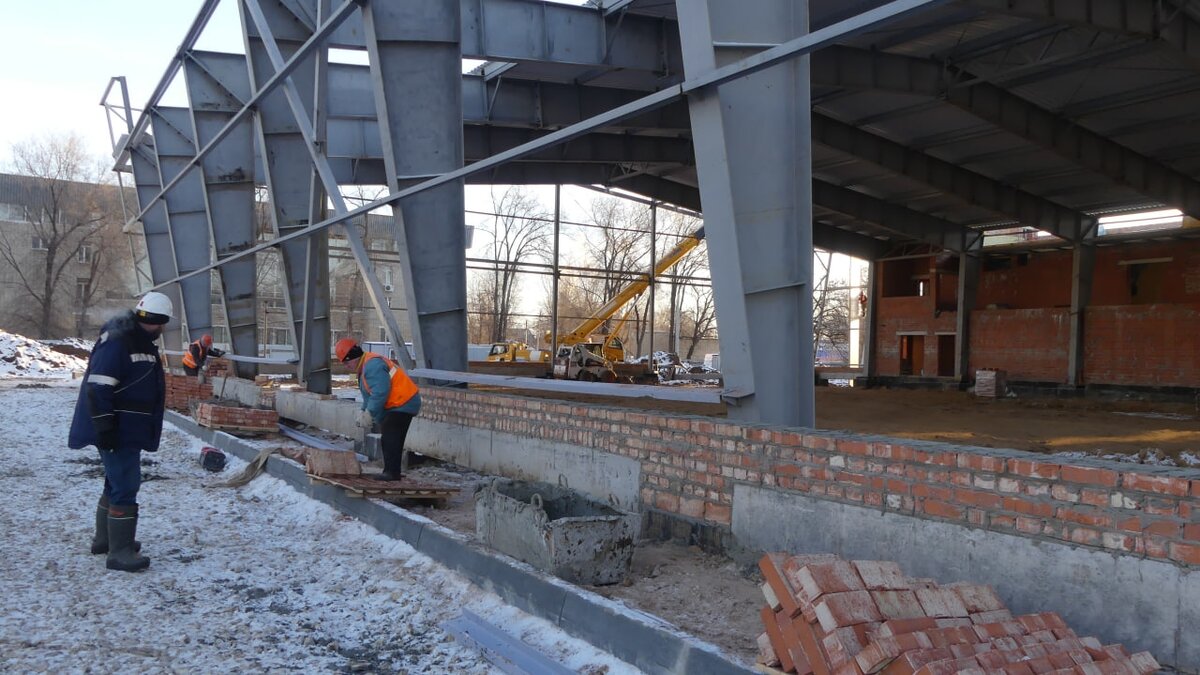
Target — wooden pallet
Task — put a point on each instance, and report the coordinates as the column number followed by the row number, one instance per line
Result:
column 362, row 486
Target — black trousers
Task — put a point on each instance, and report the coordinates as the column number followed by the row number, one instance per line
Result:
column 191, row 371
column 393, row 432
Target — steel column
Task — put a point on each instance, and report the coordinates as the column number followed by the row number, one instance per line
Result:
column 217, row 85
column 416, row 64
column 187, row 213
column 1083, row 266
column 289, row 177
column 968, row 291
column 159, row 250
column 754, row 161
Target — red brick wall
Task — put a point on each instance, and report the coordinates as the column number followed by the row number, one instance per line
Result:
column 907, row 314
column 182, row 390
column 1127, row 341
column 1155, row 345
column 689, row 466
column 1031, row 344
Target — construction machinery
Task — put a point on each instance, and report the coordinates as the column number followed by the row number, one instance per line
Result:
column 512, row 351
column 577, row 364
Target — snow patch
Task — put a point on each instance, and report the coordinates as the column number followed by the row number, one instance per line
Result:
column 23, row 357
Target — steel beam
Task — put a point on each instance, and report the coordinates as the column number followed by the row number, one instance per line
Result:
column 904, row 221
column 1149, row 20
column 217, row 87
column 732, row 72
column 187, row 213
column 849, row 67
column 289, row 177
column 974, row 188
column 159, row 250
column 416, row 67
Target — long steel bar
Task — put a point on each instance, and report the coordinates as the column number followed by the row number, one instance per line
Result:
column 793, row 48
column 692, row 395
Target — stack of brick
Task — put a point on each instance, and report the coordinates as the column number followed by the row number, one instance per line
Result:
column 828, row 616
column 236, row 418
column 991, row 383
column 182, row 391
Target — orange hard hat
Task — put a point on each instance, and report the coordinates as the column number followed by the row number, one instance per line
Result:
column 207, row 340
column 343, row 347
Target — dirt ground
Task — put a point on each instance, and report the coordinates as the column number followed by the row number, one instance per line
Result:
column 1149, row 431
column 705, row 595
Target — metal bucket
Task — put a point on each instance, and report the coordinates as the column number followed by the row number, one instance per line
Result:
column 557, row 530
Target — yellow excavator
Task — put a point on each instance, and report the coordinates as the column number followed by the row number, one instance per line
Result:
column 607, row 356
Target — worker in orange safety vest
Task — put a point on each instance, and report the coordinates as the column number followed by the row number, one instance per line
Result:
column 197, row 354
column 390, row 399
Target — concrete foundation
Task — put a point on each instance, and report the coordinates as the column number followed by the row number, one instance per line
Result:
column 607, row 477
column 235, row 389
column 1145, row 604
column 557, row 530
column 338, row 416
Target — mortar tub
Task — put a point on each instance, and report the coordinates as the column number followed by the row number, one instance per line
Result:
column 557, row 530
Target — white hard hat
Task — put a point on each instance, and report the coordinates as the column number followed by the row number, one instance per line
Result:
column 154, row 308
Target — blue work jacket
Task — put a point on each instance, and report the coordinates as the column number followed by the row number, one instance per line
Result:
column 124, row 387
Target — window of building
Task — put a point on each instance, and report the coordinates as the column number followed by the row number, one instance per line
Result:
column 281, row 336
column 13, row 213
column 220, row 334
column 85, row 253
column 39, row 244
column 387, row 277
column 81, row 289
column 382, row 335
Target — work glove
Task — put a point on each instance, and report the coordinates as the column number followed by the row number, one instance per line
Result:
column 106, row 439
column 365, row 421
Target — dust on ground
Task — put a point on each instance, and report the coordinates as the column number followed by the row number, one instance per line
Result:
column 1153, row 430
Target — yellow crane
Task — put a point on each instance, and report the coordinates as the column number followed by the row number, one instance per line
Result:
column 613, row 349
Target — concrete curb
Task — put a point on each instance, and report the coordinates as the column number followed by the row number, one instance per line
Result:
column 639, row 639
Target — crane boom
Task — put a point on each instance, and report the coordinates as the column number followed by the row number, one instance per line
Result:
column 632, row 290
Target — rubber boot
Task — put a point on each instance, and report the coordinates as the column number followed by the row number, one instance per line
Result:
column 122, row 528
column 100, row 538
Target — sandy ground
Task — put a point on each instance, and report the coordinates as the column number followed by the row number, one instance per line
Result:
column 1037, row 424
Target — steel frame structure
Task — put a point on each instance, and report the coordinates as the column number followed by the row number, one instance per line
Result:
column 765, row 114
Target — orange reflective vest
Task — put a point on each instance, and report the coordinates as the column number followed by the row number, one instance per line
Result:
column 187, row 356
column 403, row 388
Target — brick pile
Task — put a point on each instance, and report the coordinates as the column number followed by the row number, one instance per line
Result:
column 230, row 417
column 829, row 616
column 183, row 390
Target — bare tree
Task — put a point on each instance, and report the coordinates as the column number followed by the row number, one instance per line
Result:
column 677, row 277
column 100, row 256
column 699, row 321
column 831, row 309
column 65, row 209
column 519, row 233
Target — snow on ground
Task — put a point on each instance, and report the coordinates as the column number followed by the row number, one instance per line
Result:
column 1152, row 457
column 256, row 579
column 22, row 357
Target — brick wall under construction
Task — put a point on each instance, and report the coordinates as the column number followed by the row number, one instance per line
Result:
column 690, row 466
column 1141, row 326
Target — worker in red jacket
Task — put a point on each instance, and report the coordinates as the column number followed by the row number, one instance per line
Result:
column 198, row 353
column 390, row 399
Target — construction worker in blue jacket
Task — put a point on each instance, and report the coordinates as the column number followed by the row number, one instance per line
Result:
column 390, row 399
column 120, row 412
